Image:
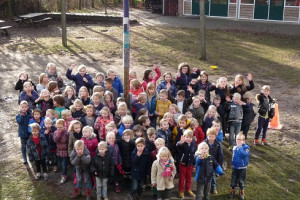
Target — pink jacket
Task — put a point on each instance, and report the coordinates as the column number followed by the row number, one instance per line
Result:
column 91, row 144
column 156, row 77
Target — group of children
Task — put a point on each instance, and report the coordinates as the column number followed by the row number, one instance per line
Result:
column 164, row 130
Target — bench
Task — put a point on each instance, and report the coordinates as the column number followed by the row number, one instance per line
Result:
column 5, row 28
column 42, row 20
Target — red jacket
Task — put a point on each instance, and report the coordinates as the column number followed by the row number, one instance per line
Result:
column 156, row 77
column 99, row 125
column 91, row 144
column 199, row 134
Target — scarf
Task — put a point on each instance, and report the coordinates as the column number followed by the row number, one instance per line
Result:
column 168, row 168
column 78, row 136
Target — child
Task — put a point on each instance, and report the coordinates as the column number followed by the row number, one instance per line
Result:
column 203, row 102
column 117, row 84
column 29, row 95
column 121, row 112
column 186, row 149
column 90, row 139
column 165, row 133
column 37, row 150
column 109, row 87
column 99, row 79
column 81, row 78
column 163, row 104
column 162, row 173
column 89, row 118
column 205, row 165
column 44, row 101
column 140, row 168
column 182, row 125
column 114, row 152
column 235, row 117
column 183, row 78
column 138, row 132
column 135, row 89
column 240, row 86
column 151, row 103
column 140, row 102
column 96, row 102
column 111, row 127
column 248, row 114
column 222, row 89
column 215, row 150
column 168, row 84
column 84, row 95
column 221, row 111
column 189, row 114
column 69, row 96
column 148, row 77
column 151, row 135
column 53, row 75
column 110, row 102
column 22, row 119
column 266, row 113
column 197, row 110
column 37, row 118
column 173, row 108
column 145, row 123
column 67, row 116
column 216, row 124
column 58, row 103
column 126, row 145
column 170, row 118
column 181, row 101
column 101, row 122
column 141, row 112
column 48, row 131
column 101, row 90
column 43, row 82
column 127, row 123
column 197, row 130
column 77, row 109
column 61, row 137
column 53, row 88
column 51, row 114
column 23, row 77
column 81, row 158
column 159, row 143
column 204, row 84
column 240, row 160
column 132, row 75
column 75, row 134
column 209, row 117
column 102, row 167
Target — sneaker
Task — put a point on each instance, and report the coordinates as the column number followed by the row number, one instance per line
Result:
column 213, row 190
column 181, row 194
column 45, row 176
column 25, row 163
column 117, row 188
column 130, row 197
column 37, row 176
column 256, row 142
column 55, row 168
column 231, row 193
column 105, row 198
column 63, row 179
column 264, row 142
column 190, row 193
column 242, row 194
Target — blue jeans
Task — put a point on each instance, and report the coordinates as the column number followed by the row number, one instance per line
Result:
column 214, row 180
column 79, row 172
column 262, row 124
column 234, row 129
column 136, row 186
column 101, row 183
column 238, row 176
column 63, row 162
column 52, row 159
column 23, row 147
column 203, row 191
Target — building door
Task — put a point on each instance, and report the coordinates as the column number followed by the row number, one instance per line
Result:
column 219, row 8
column 276, row 9
column 196, row 7
column 269, row 9
column 261, row 10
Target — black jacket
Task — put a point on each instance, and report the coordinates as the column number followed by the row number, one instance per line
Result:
column 186, row 152
column 140, row 165
column 265, row 105
column 205, row 169
column 103, row 165
column 248, row 114
column 216, row 151
column 126, row 149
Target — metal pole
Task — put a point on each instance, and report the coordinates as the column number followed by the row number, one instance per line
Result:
column 126, row 49
column 202, row 30
column 63, row 23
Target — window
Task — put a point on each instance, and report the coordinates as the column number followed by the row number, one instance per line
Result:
column 247, row 1
column 292, row 2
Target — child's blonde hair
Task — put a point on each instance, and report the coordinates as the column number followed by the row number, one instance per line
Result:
column 203, row 73
column 150, row 86
column 88, row 128
column 97, row 94
column 100, row 74
column 164, row 92
column 81, row 67
column 164, row 151
column 175, row 107
column 41, row 77
column 194, row 122
column 142, row 95
column 111, row 124
column 105, row 109
column 237, row 95
column 168, row 114
column 72, row 124
column 69, row 88
column 241, row 135
column 78, row 144
column 35, row 126
column 102, row 144
column 151, row 131
column 127, row 119
column 109, row 71
column 98, row 88
column 182, row 117
column 211, row 108
column 77, row 102
column 51, row 65
column 60, row 122
column 110, row 134
column 128, row 132
column 65, row 113
column 48, row 120
column 135, row 83
column 140, row 140
column 266, row 87
column 211, row 131
column 83, row 88
column 202, row 144
column 108, row 94
column 27, row 83
column 45, row 92
column 23, row 102
column 241, row 77
column 202, row 92
column 89, row 107
column 51, row 111
column 132, row 72
column 188, row 133
column 160, row 141
column 163, row 121
column 122, row 104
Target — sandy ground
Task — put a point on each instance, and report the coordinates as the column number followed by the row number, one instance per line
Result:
column 13, row 63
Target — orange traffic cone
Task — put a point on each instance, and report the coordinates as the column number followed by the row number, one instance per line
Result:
column 275, row 123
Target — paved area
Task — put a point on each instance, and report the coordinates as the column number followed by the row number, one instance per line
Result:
column 274, row 27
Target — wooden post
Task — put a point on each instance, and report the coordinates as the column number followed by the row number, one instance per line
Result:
column 202, row 30
column 63, row 23
column 126, row 49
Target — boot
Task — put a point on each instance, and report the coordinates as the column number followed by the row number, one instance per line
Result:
column 76, row 193
column 256, row 142
column 117, row 188
column 232, row 193
column 75, row 179
column 213, row 190
column 264, row 142
column 181, row 194
column 242, row 194
column 88, row 194
column 190, row 193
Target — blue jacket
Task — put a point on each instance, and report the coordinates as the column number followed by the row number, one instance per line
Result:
column 240, row 156
column 122, row 129
column 32, row 120
column 168, row 137
column 163, row 85
column 185, row 153
column 138, row 106
column 117, row 84
column 220, row 137
column 216, row 151
column 140, row 165
column 205, row 169
column 23, row 122
column 78, row 79
column 114, row 152
column 49, row 138
column 182, row 82
column 152, row 104
column 207, row 123
column 33, row 152
column 30, row 99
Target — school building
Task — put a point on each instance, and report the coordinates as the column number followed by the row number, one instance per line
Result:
column 273, row 10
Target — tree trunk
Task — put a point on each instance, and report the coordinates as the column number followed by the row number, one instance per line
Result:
column 80, row 5
column 202, row 30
